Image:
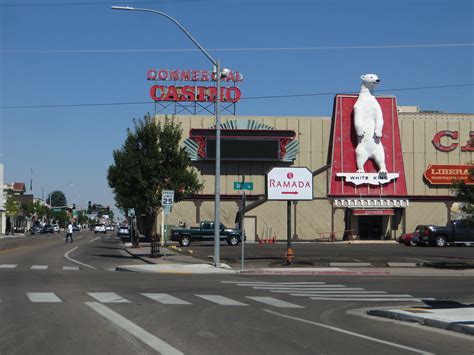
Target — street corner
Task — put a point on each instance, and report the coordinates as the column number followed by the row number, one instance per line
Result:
column 448, row 315
column 174, row 268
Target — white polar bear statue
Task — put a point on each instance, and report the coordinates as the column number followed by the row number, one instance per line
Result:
column 368, row 122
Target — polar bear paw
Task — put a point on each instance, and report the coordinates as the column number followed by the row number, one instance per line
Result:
column 382, row 174
column 360, row 171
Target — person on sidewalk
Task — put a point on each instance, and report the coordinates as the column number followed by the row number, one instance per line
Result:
column 69, row 232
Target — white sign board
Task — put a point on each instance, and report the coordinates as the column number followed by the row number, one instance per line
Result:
column 293, row 184
column 167, row 198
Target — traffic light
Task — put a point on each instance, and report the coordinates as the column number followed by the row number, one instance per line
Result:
column 73, row 206
column 93, row 207
column 108, row 208
column 89, row 206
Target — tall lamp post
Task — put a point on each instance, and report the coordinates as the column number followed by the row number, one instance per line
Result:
column 217, row 187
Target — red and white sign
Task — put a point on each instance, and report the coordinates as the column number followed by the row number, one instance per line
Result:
column 441, row 139
column 447, row 174
column 293, row 184
column 192, row 92
column 343, row 155
column 368, row 212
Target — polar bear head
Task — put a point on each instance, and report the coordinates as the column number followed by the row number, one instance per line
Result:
column 370, row 80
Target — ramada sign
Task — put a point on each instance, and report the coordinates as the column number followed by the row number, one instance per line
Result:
column 191, row 93
column 290, row 184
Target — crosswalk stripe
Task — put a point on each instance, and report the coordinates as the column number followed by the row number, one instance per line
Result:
column 317, row 289
column 264, row 283
column 43, row 297
column 275, row 302
column 223, row 301
column 71, row 268
column 108, row 297
column 338, row 292
column 296, row 287
column 374, row 299
column 39, row 267
column 165, row 298
column 8, row 266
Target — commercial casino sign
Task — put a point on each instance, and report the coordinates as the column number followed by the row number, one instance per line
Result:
column 200, row 85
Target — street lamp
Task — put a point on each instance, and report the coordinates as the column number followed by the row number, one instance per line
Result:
column 217, row 186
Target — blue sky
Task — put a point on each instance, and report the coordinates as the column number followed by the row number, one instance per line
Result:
column 74, row 52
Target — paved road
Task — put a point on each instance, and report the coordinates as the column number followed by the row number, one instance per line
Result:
column 96, row 311
column 321, row 254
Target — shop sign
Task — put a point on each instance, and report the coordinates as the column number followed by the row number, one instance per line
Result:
column 447, row 174
column 361, row 212
column 468, row 147
column 293, row 184
column 193, row 92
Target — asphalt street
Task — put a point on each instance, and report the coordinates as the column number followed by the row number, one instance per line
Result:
column 53, row 304
column 322, row 254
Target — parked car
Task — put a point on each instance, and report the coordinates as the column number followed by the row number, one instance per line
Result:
column 56, row 228
column 205, row 232
column 123, row 233
column 36, row 229
column 110, row 227
column 411, row 238
column 76, row 228
column 455, row 232
column 100, row 228
column 47, row 228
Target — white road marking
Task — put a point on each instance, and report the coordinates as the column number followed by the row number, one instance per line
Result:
column 265, row 283
column 71, row 268
column 164, row 298
column 275, row 302
column 337, row 292
column 399, row 346
column 365, row 295
column 43, row 297
column 299, row 287
column 309, row 290
column 130, row 327
column 373, row 299
column 223, row 301
column 8, row 266
column 108, row 297
column 75, row 261
column 93, row 240
column 39, row 267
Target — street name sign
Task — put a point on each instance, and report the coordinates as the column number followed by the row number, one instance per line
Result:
column 243, row 185
column 289, row 184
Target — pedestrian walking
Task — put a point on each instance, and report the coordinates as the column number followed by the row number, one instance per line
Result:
column 69, row 232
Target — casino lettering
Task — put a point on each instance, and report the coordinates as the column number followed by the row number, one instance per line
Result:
column 194, row 93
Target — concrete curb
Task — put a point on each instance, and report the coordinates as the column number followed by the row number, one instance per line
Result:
column 415, row 318
column 311, row 271
column 349, row 264
column 177, row 269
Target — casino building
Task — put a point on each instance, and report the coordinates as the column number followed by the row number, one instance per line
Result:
column 424, row 152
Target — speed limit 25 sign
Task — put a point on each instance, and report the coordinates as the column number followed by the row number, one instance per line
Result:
column 167, row 198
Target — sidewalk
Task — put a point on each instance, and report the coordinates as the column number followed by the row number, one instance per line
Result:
column 452, row 316
column 171, row 262
column 175, row 262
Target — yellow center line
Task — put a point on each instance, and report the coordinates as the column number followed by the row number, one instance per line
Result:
column 9, row 250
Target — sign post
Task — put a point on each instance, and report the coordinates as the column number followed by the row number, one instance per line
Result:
column 167, row 201
column 243, row 186
column 289, row 184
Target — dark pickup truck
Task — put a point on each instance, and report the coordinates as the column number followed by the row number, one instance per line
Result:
column 205, row 232
column 455, row 232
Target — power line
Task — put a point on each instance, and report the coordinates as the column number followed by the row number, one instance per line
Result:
column 244, row 98
column 92, row 3
column 244, row 49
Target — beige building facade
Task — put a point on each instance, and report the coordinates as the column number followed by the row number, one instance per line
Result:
column 422, row 145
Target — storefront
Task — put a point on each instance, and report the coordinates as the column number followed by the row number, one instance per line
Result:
column 414, row 142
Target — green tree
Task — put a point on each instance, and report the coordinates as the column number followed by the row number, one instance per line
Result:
column 57, row 198
column 465, row 194
column 151, row 160
column 12, row 209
